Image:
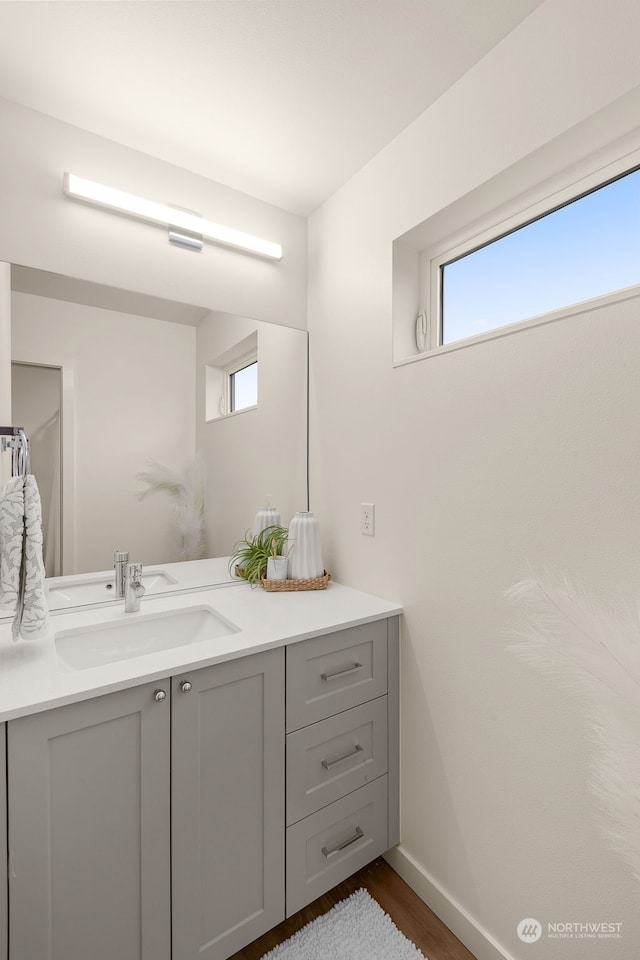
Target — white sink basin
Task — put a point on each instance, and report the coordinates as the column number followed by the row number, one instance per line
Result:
column 72, row 591
column 82, row 648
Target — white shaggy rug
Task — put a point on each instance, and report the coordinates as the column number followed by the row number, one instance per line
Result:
column 355, row 929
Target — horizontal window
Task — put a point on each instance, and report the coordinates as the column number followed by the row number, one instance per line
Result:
column 585, row 248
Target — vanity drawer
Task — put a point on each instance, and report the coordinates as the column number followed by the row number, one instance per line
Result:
column 329, row 674
column 333, row 843
column 331, row 758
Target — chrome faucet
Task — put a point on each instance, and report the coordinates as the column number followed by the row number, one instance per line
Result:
column 120, row 561
column 133, row 589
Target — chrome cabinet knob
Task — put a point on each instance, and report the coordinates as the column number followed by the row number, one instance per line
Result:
column 185, row 686
column 159, row 696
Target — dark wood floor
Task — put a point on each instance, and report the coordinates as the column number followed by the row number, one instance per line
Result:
column 396, row 898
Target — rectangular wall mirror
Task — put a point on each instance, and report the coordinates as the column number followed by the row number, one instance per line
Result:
column 123, row 394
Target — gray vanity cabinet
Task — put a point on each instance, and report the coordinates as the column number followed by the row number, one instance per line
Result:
column 148, row 823
column 227, row 805
column 4, row 893
column 89, row 829
column 152, row 823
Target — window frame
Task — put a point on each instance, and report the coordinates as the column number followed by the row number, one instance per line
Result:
column 248, row 360
column 217, row 376
column 519, row 212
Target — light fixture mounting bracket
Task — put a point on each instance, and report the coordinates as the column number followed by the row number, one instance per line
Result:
column 181, row 237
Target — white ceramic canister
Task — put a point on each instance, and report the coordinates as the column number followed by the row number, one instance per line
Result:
column 305, row 559
column 277, row 568
column 266, row 516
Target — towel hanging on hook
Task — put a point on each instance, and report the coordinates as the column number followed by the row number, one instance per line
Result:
column 22, row 575
column 20, row 451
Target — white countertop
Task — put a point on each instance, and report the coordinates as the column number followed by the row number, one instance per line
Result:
column 33, row 678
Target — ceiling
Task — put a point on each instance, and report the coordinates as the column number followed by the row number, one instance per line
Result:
column 281, row 99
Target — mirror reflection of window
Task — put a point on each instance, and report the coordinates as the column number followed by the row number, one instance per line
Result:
column 231, row 377
column 243, row 387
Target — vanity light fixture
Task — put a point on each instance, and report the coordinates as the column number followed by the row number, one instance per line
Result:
column 179, row 221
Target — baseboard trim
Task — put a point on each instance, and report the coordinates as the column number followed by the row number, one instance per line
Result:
column 481, row 944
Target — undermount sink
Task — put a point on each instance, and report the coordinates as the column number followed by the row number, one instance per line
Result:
column 72, row 591
column 82, row 648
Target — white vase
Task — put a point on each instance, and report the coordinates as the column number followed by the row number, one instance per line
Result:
column 305, row 559
column 266, row 517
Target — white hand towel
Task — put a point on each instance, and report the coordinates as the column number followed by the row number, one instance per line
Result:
column 22, row 590
column 11, row 543
column 34, row 621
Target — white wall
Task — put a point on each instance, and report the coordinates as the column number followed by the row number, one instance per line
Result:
column 132, row 398
column 40, row 227
column 518, row 452
column 260, row 451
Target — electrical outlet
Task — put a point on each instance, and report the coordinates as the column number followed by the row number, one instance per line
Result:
column 368, row 519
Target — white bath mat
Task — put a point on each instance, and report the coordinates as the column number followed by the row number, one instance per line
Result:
column 355, row 929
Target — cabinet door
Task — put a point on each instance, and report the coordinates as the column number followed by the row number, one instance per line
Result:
column 227, row 805
column 89, row 793
column 3, row 846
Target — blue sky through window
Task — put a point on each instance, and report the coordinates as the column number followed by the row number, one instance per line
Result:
column 245, row 387
column 586, row 249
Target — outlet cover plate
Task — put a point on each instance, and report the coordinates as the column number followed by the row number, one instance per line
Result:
column 368, row 519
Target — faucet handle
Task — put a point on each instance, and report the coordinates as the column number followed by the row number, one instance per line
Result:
column 120, row 556
column 133, row 588
column 134, row 581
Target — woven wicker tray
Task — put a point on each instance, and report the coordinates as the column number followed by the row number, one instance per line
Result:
column 317, row 583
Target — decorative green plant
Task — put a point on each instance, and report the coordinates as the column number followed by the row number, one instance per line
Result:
column 250, row 555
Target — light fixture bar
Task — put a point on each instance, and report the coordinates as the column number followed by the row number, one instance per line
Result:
column 110, row 199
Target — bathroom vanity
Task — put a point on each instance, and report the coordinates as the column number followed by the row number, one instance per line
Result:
column 177, row 804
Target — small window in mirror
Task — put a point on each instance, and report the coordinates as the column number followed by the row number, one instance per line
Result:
column 243, row 387
column 231, row 380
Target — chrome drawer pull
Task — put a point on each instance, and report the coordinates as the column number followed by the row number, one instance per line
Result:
column 327, row 764
column 340, row 673
column 346, row 843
